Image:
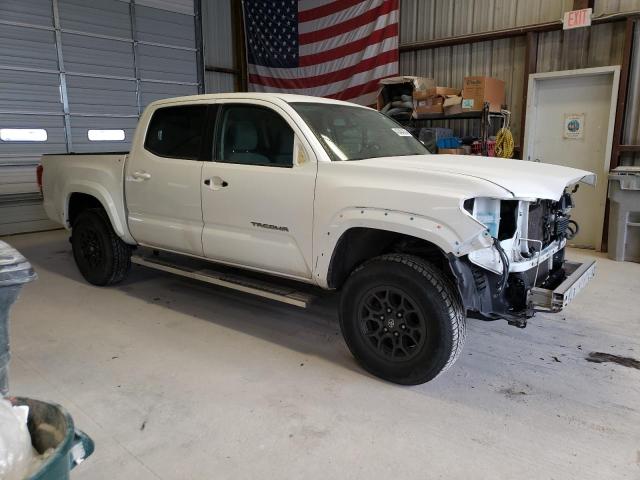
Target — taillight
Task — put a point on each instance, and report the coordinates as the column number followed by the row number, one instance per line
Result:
column 39, row 171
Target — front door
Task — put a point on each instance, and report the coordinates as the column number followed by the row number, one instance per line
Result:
column 257, row 194
column 162, row 180
column 570, row 123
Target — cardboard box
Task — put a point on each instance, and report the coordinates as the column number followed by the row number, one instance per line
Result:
column 478, row 90
column 421, row 109
column 451, row 151
column 407, row 85
column 428, row 100
column 442, row 91
column 431, row 101
column 452, row 105
column 435, row 92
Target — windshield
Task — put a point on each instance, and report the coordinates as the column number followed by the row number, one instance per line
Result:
column 355, row 133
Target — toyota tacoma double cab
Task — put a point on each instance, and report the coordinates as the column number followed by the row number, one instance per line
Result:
column 333, row 195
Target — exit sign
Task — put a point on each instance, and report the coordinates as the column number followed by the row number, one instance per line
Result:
column 577, row 19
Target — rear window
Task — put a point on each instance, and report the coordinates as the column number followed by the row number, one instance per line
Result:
column 177, row 132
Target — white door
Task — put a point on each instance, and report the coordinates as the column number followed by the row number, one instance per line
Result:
column 257, row 202
column 162, row 180
column 570, row 119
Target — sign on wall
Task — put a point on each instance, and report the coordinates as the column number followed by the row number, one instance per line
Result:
column 574, row 125
column 577, row 19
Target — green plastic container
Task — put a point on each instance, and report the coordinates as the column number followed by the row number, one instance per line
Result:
column 51, row 426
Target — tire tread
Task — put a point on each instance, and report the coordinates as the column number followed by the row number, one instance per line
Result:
column 448, row 295
column 121, row 251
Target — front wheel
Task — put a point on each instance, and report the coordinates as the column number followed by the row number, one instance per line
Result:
column 102, row 258
column 402, row 319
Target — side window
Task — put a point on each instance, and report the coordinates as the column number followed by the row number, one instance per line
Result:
column 254, row 135
column 177, row 132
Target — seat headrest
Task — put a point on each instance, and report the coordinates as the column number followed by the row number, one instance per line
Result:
column 244, row 135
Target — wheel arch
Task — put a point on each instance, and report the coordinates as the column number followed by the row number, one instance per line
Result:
column 356, row 245
column 81, row 196
column 452, row 233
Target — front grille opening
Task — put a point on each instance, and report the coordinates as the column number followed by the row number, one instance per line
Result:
column 508, row 219
column 536, row 225
column 546, row 223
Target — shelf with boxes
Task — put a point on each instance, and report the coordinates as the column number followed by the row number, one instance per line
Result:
column 481, row 98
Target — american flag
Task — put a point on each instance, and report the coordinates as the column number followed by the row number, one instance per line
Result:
column 337, row 49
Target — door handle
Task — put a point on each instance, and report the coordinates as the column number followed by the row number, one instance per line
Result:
column 215, row 183
column 140, row 175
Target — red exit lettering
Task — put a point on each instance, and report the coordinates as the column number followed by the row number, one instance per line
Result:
column 577, row 19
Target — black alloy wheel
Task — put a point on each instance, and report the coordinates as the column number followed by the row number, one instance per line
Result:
column 402, row 318
column 392, row 322
column 101, row 256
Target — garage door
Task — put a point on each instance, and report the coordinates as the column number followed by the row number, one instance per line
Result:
column 74, row 77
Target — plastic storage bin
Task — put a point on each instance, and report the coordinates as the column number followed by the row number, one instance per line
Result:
column 624, row 215
column 448, row 142
column 51, row 426
column 15, row 271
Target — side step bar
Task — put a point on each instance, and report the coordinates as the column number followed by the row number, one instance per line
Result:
column 272, row 291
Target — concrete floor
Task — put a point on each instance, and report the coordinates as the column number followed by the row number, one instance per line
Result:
column 177, row 380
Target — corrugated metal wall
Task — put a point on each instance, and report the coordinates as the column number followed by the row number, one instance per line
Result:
column 631, row 134
column 68, row 66
column 422, row 20
column 218, row 44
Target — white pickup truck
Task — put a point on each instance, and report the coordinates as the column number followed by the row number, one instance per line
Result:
column 334, row 195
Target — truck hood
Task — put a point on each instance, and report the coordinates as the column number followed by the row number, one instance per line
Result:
column 524, row 179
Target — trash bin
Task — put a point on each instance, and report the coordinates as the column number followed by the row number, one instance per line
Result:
column 51, row 427
column 15, row 271
column 624, row 214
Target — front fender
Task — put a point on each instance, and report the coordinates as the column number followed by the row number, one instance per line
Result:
column 458, row 236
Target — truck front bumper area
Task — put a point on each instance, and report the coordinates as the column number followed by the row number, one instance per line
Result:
column 549, row 287
column 578, row 276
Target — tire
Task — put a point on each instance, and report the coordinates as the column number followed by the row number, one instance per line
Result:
column 102, row 258
column 421, row 311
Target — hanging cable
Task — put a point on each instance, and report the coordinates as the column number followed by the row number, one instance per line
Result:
column 505, row 265
column 504, row 138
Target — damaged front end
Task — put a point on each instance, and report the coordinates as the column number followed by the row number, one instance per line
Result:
column 524, row 270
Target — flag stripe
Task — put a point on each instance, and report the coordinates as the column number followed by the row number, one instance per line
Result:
column 318, row 80
column 378, row 36
column 337, row 17
column 330, row 89
column 304, row 5
column 367, row 99
column 332, row 66
column 341, row 40
column 359, row 90
column 325, row 10
column 331, row 48
column 367, row 17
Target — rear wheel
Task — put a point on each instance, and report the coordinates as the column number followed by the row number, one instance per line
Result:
column 402, row 319
column 102, row 258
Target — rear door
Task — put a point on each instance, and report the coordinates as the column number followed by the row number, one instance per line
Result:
column 257, row 194
column 162, row 179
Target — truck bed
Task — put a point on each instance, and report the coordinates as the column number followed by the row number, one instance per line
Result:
column 98, row 174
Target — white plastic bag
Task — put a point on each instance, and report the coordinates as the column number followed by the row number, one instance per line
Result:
column 16, row 452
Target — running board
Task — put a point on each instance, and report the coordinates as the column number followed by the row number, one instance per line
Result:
column 272, row 291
